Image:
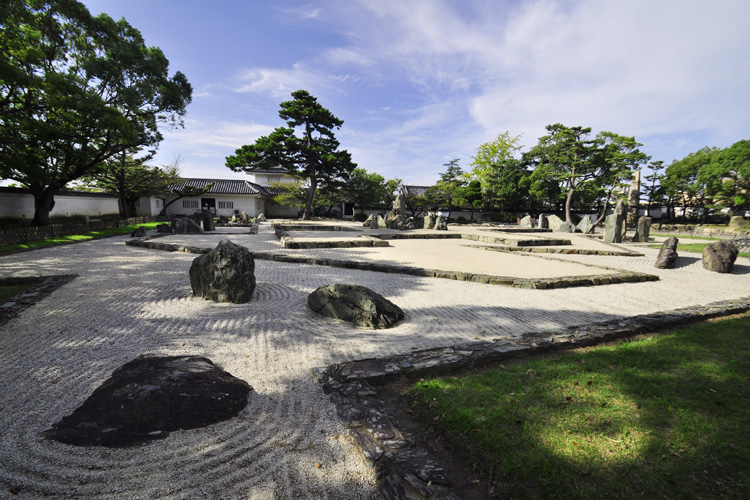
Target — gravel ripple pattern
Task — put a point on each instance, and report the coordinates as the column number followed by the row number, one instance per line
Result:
column 288, row 442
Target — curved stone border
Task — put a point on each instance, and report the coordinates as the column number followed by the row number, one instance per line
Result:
column 45, row 285
column 567, row 251
column 400, row 465
column 529, row 283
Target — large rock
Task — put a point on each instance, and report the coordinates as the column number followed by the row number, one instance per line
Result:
column 356, row 304
column 164, row 228
column 526, row 222
column 208, row 220
column 586, row 225
column 368, row 222
column 150, row 397
column 140, row 232
column 720, row 256
column 566, row 227
column 225, row 274
column 668, row 254
column 260, row 218
column 397, row 217
column 614, row 225
column 554, row 222
column 429, row 221
column 441, row 223
column 738, row 222
column 642, row 230
column 186, row 225
column 542, row 222
column 381, row 222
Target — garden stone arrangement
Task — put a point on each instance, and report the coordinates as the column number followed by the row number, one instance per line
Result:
column 150, row 397
column 356, row 304
column 313, row 424
column 225, row 274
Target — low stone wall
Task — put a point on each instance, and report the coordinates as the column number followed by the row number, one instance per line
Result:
column 400, row 464
column 22, row 235
column 535, row 284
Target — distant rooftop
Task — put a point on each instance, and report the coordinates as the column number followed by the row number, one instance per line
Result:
column 223, row 186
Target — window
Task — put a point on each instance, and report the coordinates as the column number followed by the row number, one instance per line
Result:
column 189, row 204
column 226, row 204
column 158, row 203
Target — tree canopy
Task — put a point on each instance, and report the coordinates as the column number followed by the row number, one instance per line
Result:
column 313, row 156
column 76, row 90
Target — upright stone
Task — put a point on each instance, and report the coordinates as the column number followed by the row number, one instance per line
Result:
column 720, row 256
column 555, row 222
column 566, row 227
column 381, row 222
column 634, row 198
column 622, row 210
column 441, row 223
column 668, row 254
column 543, row 223
column 260, row 218
column 738, row 222
column 186, row 225
column 526, row 223
column 225, row 274
column 586, row 226
column 613, row 228
column 429, row 221
column 374, row 222
column 368, row 222
column 642, row 230
column 208, row 220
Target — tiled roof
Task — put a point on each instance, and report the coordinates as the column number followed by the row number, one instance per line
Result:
column 274, row 170
column 222, row 186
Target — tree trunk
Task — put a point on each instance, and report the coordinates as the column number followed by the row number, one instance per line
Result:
column 44, row 202
column 307, row 215
column 568, row 203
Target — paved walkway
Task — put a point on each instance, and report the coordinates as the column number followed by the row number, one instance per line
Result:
column 288, row 442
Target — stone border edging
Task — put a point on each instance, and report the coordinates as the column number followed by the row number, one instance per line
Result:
column 540, row 242
column 400, row 465
column 45, row 286
column 528, row 283
column 566, row 251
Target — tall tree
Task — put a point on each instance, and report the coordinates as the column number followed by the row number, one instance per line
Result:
column 727, row 177
column 446, row 192
column 366, row 189
column 130, row 178
column 313, row 156
column 682, row 182
column 76, row 90
column 578, row 163
column 653, row 187
column 496, row 167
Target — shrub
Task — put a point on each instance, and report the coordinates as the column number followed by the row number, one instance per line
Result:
column 359, row 217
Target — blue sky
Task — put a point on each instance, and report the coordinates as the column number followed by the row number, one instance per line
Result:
column 420, row 82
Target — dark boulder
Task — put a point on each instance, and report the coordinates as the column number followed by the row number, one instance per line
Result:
column 668, row 254
column 150, row 397
column 164, row 228
column 140, row 232
column 356, row 304
column 720, row 256
column 225, row 274
column 186, row 225
column 208, row 220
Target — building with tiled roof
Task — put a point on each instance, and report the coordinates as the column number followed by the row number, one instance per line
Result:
column 224, row 196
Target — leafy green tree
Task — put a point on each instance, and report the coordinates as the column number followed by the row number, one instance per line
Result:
column 313, row 157
column 366, row 189
column 495, row 166
column 682, row 183
column 576, row 162
column 471, row 196
column 447, row 191
column 76, row 90
column 727, row 177
column 653, row 187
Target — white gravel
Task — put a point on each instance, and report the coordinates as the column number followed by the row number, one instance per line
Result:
column 288, row 442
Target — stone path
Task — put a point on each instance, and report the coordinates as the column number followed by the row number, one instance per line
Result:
column 289, row 442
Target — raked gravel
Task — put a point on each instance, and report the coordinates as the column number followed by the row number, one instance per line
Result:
column 288, row 442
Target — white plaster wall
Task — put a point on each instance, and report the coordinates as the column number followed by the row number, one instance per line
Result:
column 22, row 205
column 241, row 203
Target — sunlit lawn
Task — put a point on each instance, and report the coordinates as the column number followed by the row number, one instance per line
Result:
column 76, row 238
column 665, row 417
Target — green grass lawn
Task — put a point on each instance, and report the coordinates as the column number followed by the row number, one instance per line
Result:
column 697, row 248
column 664, row 417
column 77, row 238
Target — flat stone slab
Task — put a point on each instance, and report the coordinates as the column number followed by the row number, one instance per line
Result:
column 150, row 397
